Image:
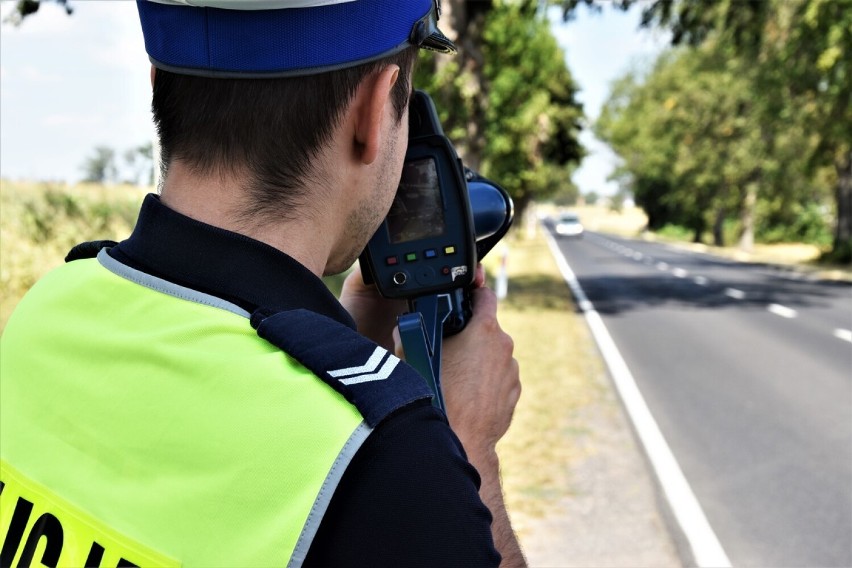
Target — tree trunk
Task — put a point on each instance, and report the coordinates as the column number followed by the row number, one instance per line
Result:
column 718, row 228
column 463, row 21
column 698, row 226
column 747, row 217
column 842, row 248
column 520, row 206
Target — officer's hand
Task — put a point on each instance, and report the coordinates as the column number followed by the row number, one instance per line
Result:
column 480, row 378
column 375, row 316
column 481, row 388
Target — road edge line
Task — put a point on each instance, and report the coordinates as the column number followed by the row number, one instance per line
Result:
column 705, row 547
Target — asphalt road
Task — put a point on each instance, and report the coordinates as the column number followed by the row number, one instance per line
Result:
column 748, row 372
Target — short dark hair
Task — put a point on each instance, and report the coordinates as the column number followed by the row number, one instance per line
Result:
column 269, row 129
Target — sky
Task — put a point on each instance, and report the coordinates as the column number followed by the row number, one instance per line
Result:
column 69, row 84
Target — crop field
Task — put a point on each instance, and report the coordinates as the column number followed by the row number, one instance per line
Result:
column 41, row 222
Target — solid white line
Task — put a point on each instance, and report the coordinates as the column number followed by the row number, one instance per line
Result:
column 844, row 334
column 734, row 293
column 782, row 311
column 706, row 549
column 680, row 272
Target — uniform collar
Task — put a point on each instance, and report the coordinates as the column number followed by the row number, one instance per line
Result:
column 228, row 265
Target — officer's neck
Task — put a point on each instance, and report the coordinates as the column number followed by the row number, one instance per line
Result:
column 218, row 200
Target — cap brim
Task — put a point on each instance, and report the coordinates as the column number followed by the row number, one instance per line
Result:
column 437, row 41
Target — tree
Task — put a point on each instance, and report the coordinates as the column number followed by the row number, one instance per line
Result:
column 532, row 119
column 804, row 47
column 24, row 8
column 508, row 100
column 140, row 163
column 699, row 146
column 794, row 57
column 100, row 167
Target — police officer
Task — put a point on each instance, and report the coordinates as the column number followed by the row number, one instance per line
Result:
column 193, row 395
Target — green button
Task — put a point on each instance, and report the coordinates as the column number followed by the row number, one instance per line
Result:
column 411, row 257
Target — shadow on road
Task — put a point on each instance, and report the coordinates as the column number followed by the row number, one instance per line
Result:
column 613, row 294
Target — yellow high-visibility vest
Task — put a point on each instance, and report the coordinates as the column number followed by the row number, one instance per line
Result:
column 146, row 424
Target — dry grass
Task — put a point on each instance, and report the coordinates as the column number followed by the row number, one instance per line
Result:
column 40, row 222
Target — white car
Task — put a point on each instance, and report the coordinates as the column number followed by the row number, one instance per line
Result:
column 568, row 225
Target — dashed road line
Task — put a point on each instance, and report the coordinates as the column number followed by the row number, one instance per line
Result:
column 777, row 309
column 844, row 334
column 782, row 311
column 734, row 293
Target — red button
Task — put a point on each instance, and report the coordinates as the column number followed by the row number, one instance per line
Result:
column 391, row 260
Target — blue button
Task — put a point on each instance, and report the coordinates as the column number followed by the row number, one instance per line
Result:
column 430, row 253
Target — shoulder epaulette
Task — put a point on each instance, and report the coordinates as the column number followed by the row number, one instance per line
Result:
column 371, row 378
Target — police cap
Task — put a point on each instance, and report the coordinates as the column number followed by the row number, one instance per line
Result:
column 279, row 38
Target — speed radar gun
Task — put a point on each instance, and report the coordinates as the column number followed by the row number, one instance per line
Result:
column 444, row 219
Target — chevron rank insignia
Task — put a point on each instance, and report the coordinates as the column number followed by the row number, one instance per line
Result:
column 370, row 370
column 374, row 380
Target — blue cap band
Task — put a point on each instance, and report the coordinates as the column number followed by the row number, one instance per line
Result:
column 293, row 41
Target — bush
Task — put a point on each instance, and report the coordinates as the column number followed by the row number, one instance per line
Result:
column 806, row 224
column 676, row 232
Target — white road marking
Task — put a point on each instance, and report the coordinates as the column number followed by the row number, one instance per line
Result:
column 782, row 311
column 662, row 266
column 701, row 280
column 734, row 293
column 706, row 549
column 680, row 272
column 638, row 255
column 844, row 334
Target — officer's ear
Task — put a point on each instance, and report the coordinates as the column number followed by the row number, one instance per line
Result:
column 370, row 109
column 153, row 74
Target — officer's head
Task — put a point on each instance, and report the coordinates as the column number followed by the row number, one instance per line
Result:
column 255, row 88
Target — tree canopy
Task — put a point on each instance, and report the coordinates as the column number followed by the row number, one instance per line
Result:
column 508, row 99
column 748, row 118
